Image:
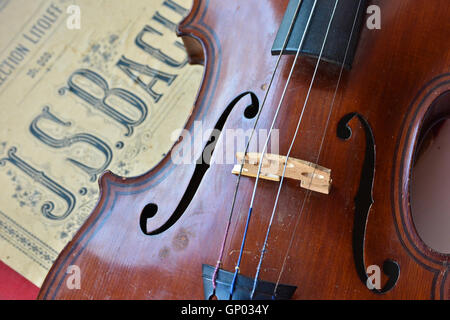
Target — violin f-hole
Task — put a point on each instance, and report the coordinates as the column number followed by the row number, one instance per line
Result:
column 363, row 203
column 148, row 212
column 202, row 166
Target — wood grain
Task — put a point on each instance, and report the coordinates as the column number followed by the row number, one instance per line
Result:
column 398, row 72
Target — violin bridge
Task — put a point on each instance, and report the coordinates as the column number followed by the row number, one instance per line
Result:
column 311, row 176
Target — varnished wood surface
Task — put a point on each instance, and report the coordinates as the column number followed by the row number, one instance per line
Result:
column 398, row 73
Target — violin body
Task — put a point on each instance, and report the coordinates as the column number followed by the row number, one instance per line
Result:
column 398, row 84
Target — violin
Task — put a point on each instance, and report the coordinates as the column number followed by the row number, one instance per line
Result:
column 332, row 100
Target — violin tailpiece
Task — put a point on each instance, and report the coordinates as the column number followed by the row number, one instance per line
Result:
column 264, row 290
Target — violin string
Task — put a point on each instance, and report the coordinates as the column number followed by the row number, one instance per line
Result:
column 308, row 194
column 291, row 147
column 285, row 43
column 233, row 283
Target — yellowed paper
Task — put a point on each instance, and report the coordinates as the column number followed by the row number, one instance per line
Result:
column 85, row 86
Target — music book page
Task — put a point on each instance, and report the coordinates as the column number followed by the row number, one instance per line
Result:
column 85, row 86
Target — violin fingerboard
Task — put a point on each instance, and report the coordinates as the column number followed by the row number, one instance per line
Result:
column 344, row 31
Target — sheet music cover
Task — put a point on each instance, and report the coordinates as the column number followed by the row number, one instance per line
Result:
column 85, row 86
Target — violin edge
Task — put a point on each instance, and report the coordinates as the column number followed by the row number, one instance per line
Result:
column 194, row 46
